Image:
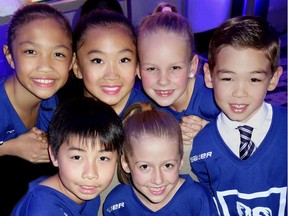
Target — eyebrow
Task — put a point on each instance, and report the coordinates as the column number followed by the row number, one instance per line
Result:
column 73, row 148
column 232, row 72
column 36, row 44
column 121, row 51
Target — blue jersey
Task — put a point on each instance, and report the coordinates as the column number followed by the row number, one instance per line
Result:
column 201, row 104
column 46, row 201
column 12, row 126
column 17, row 172
column 190, row 199
column 135, row 96
column 256, row 186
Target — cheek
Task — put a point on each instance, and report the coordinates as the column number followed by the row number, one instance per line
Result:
column 147, row 79
column 139, row 178
column 182, row 81
column 173, row 177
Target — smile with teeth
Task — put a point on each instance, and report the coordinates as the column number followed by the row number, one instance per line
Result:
column 164, row 93
column 114, row 88
column 44, row 81
column 156, row 190
column 87, row 187
column 238, row 107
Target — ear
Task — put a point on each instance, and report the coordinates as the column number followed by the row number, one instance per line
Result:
column 125, row 164
column 138, row 71
column 207, row 76
column 76, row 69
column 193, row 66
column 275, row 79
column 52, row 157
column 8, row 56
column 73, row 61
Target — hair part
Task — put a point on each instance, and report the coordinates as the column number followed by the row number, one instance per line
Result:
column 32, row 12
column 101, row 19
column 246, row 32
column 86, row 118
column 141, row 120
column 171, row 23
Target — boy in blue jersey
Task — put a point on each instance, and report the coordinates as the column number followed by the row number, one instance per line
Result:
column 85, row 137
column 246, row 171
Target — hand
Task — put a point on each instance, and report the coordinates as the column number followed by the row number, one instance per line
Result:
column 31, row 146
column 190, row 126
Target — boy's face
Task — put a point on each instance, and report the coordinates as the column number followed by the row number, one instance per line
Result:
column 166, row 67
column 155, row 178
column 84, row 171
column 107, row 62
column 240, row 80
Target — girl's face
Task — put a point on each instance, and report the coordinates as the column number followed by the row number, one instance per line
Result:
column 84, row 171
column 106, row 62
column 165, row 68
column 41, row 56
column 155, row 179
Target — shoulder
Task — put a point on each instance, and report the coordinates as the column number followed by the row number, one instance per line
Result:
column 32, row 202
column 118, row 191
column 279, row 110
column 191, row 185
column 117, row 199
column 209, row 130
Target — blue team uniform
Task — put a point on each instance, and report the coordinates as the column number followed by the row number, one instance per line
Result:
column 12, row 126
column 135, row 96
column 46, row 201
column 190, row 199
column 201, row 104
column 16, row 172
column 256, row 186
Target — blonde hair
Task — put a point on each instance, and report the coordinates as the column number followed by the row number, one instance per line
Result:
column 142, row 119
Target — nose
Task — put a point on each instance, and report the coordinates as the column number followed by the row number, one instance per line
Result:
column 90, row 170
column 157, row 177
column 240, row 90
column 45, row 64
column 111, row 72
column 163, row 78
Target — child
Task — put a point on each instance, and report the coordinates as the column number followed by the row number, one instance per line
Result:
column 39, row 50
column 85, row 136
column 105, row 46
column 151, row 160
column 243, row 66
column 168, row 69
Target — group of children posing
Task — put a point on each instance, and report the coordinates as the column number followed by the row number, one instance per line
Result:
column 139, row 129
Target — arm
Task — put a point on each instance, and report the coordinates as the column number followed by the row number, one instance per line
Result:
column 31, row 146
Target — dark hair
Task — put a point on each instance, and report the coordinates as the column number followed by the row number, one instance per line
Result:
column 246, row 32
column 31, row 12
column 86, row 118
column 142, row 119
column 168, row 22
column 100, row 18
column 90, row 5
column 162, row 5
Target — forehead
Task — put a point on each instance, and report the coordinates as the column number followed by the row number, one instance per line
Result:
column 150, row 146
column 116, row 34
column 241, row 59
